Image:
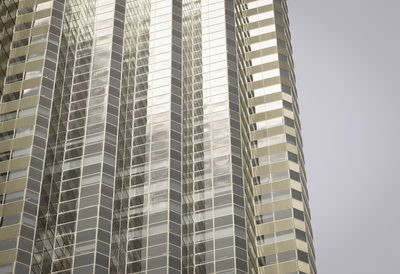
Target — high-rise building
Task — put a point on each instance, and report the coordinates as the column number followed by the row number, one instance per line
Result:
column 150, row 136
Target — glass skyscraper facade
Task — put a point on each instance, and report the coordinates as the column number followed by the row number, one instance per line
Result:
column 150, row 136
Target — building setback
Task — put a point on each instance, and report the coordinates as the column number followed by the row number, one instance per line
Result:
column 150, row 136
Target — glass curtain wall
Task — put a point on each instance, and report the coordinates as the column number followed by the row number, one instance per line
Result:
column 157, row 136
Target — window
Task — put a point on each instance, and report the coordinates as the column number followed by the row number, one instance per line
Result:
column 267, row 260
column 286, row 256
column 303, row 256
column 301, row 235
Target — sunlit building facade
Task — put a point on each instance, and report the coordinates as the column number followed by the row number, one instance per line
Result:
column 150, row 136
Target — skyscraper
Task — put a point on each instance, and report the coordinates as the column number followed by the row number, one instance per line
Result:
column 156, row 136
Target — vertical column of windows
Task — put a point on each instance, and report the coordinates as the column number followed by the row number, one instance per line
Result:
column 156, row 182
column 138, row 192
column 192, row 80
column 212, row 37
column 241, row 47
column 110, row 166
column 214, row 199
column 61, row 188
column 159, row 103
column 120, row 226
column 24, row 80
column 51, row 182
column 18, row 115
column 272, row 133
column 93, row 236
column 275, row 130
column 238, row 177
column 175, row 161
column 65, row 188
column 8, row 13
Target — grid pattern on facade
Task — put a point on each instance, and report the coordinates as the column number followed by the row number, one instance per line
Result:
column 277, row 157
column 150, row 136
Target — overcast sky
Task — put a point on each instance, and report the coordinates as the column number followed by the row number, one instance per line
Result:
column 347, row 60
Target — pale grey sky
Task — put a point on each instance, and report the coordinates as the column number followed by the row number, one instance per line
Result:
column 347, row 61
